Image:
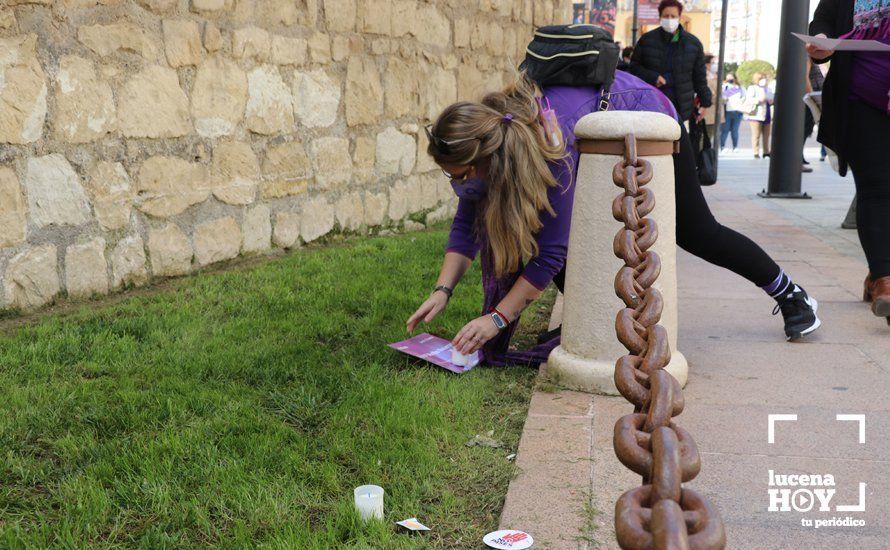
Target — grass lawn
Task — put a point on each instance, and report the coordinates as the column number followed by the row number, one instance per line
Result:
column 242, row 407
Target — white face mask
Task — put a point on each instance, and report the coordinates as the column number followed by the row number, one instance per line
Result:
column 761, row 82
column 670, row 25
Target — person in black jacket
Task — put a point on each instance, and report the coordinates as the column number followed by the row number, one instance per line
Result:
column 672, row 59
column 855, row 124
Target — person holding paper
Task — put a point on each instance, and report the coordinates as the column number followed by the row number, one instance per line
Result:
column 759, row 114
column 855, row 124
column 512, row 162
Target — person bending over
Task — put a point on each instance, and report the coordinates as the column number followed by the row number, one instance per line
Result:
column 515, row 189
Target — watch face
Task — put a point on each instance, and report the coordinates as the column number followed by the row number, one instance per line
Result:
column 499, row 321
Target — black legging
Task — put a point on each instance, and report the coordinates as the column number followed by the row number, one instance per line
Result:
column 700, row 234
column 868, row 147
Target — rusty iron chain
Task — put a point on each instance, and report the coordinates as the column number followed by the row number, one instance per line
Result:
column 661, row 514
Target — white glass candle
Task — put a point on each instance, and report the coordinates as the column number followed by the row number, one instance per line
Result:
column 369, row 501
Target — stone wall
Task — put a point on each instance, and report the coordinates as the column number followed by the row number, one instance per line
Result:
column 150, row 138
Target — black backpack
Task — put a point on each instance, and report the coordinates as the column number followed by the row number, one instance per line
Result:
column 572, row 55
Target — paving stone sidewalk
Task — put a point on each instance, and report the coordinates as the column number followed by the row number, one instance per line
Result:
column 741, row 370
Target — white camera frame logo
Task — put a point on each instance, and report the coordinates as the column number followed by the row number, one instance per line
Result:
column 805, row 498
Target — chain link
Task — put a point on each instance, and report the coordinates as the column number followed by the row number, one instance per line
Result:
column 661, row 514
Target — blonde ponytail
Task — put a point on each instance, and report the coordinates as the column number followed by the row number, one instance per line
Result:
column 504, row 132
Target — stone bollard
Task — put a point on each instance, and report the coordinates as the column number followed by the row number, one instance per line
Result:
column 586, row 358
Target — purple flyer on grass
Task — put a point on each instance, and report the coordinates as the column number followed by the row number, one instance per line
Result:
column 437, row 351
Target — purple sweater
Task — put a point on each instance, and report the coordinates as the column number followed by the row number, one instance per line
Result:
column 629, row 93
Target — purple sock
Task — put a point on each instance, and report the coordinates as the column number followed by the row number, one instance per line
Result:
column 779, row 286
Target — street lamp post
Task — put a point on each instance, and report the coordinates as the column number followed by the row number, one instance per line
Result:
column 718, row 101
column 633, row 28
column 786, row 153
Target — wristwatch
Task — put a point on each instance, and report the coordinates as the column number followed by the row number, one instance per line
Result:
column 499, row 320
column 448, row 292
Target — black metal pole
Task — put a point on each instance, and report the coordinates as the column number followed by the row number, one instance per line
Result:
column 633, row 28
column 718, row 101
column 787, row 150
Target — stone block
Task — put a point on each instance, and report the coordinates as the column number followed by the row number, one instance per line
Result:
column 182, row 42
column 404, row 16
column 84, row 109
column 425, row 162
column 216, row 241
column 128, row 263
column 364, row 157
column 12, row 209
column 23, row 92
column 543, row 12
column 350, row 211
column 376, row 208
column 286, row 233
column 208, row 5
column 235, row 173
column 86, row 271
column 396, row 152
column 320, row 48
column 331, row 162
column 252, row 43
column 170, row 251
column 275, row 13
column 462, row 32
column 108, row 186
column 398, row 202
column 89, row 3
column 413, row 193
column 431, row 26
column 257, row 229
column 289, row 51
column 286, row 170
column 402, row 86
column 152, row 104
column 105, row 40
column 32, row 278
column 7, row 18
column 316, row 98
column 167, row 186
column 429, row 194
column 375, row 16
column 213, row 40
column 343, row 46
column 157, row 6
column 364, row 92
column 339, row 15
column 269, row 104
column 219, row 97
column 441, row 91
column 317, row 219
column 55, row 196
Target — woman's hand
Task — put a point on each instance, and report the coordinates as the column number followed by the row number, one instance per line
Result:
column 475, row 334
column 428, row 310
column 817, row 53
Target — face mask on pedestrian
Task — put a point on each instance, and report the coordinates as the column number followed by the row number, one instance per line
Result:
column 669, row 25
column 761, row 82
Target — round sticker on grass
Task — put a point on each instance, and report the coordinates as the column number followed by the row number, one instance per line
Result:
column 508, row 539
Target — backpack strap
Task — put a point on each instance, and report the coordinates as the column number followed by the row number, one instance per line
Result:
column 605, row 99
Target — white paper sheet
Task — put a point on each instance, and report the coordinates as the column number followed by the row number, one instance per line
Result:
column 839, row 44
